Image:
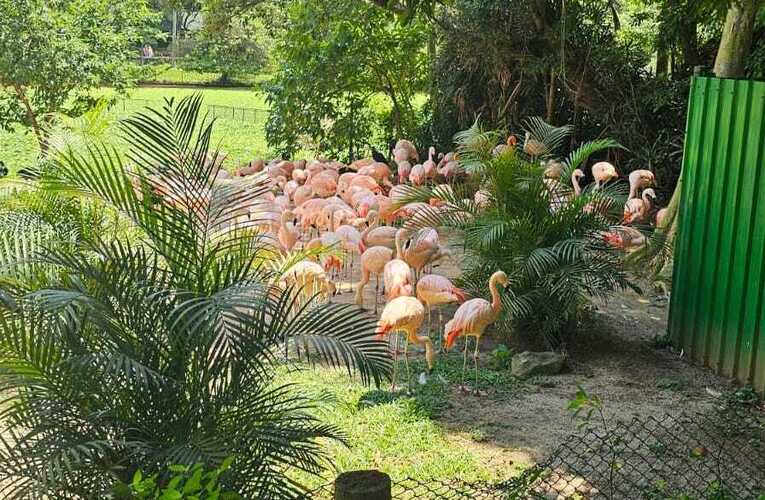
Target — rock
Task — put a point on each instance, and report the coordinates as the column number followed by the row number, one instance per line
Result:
column 527, row 364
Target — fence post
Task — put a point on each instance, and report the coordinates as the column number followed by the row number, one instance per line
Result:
column 363, row 485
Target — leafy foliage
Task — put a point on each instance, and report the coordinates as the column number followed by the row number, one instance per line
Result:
column 161, row 352
column 547, row 240
column 335, row 56
column 41, row 74
column 191, row 482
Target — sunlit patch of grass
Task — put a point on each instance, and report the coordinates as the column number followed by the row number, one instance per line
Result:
column 399, row 432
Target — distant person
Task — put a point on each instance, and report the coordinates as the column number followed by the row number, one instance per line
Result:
column 147, row 52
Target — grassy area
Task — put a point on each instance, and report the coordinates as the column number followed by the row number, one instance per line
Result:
column 400, row 433
column 241, row 137
column 167, row 73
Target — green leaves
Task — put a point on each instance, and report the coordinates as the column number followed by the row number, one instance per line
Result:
column 161, row 348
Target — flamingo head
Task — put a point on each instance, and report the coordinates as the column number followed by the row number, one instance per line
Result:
column 451, row 336
column 512, row 140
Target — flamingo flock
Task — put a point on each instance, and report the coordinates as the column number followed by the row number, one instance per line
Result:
column 347, row 221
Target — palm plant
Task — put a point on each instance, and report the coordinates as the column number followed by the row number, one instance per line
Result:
column 553, row 253
column 165, row 351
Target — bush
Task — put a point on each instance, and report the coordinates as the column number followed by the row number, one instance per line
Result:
column 556, row 259
column 163, row 351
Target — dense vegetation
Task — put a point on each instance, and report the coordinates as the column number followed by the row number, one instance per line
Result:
column 158, row 346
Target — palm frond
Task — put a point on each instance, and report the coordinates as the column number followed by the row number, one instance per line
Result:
column 550, row 137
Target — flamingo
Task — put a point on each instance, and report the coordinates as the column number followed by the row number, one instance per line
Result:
column 625, row 238
column 661, row 218
column 603, row 172
column 533, row 147
column 429, row 167
column 310, row 278
column 288, row 234
column 397, row 276
column 576, row 175
column 636, row 209
column 512, row 141
column 417, row 175
column 640, row 179
column 423, row 248
column 436, row 290
column 404, row 170
column 472, row 318
column 376, row 235
column 405, row 314
column 409, row 148
column 373, row 261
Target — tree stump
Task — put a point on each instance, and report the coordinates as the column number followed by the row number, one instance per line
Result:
column 363, row 485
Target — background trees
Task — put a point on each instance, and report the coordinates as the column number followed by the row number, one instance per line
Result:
column 52, row 54
column 335, row 59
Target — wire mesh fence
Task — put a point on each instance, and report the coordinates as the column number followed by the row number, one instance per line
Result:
column 718, row 456
column 125, row 107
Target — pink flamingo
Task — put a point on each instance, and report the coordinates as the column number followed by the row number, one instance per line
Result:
column 376, row 235
column 625, row 238
column 408, row 147
column 435, row 290
column 405, row 314
column 373, row 261
column 661, row 218
column 423, row 248
column 288, row 234
column 636, row 209
column 640, row 179
column 417, row 175
column 404, row 171
column 429, row 167
column 603, row 172
column 472, row 318
column 576, row 176
column 397, row 276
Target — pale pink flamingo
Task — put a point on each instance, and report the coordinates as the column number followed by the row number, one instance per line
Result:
column 299, row 176
column 640, row 179
column 288, row 234
column 405, row 314
column 603, row 172
column 373, row 261
column 404, row 171
column 417, row 175
column 576, row 176
column 423, row 248
column 625, row 238
column 472, row 318
column 450, row 170
column 637, row 209
column 323, row 185
column 376, row 235
column 397, row 276
column 435, row 290
column 429, row 166
column 302, row 194
column 367, row 182
column 409, row 148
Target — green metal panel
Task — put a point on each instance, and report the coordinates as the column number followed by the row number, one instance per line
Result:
column 717, row 311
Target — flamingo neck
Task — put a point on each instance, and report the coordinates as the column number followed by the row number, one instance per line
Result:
column 633, row 191
column 332, row 220
column 575, row 183
column 496, row 304
column 374, row 224
column 399, row 252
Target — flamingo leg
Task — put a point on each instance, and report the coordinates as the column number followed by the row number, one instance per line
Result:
column 406, row 363
column 440, row 329
column 464, row 361
column 475, row 361
column 395, row 361
column 377, row 290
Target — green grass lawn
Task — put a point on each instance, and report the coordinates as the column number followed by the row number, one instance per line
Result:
column 241, row 137
column 167, row 73
column 400, row 433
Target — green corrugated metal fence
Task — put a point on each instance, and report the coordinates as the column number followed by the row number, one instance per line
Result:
column 717, row 312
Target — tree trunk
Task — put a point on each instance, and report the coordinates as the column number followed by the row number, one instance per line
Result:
column 736, row 42
column 551, row 97
column 662, row 57
column 40, row 134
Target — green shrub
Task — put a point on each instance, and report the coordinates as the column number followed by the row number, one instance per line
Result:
column 146, row 354
column 556, row 259
column 184, row 482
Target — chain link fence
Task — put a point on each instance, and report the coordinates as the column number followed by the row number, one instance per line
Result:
column 719, row 456
column 125, row 107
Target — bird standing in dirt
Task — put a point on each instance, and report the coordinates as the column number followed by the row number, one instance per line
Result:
column 435, row 290
column 472, row 318
column 405, row 314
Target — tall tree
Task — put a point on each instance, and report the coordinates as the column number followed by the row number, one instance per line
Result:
column 736, row 42
column 52, row 54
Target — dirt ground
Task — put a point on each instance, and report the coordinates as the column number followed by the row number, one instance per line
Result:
column 615, row 358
